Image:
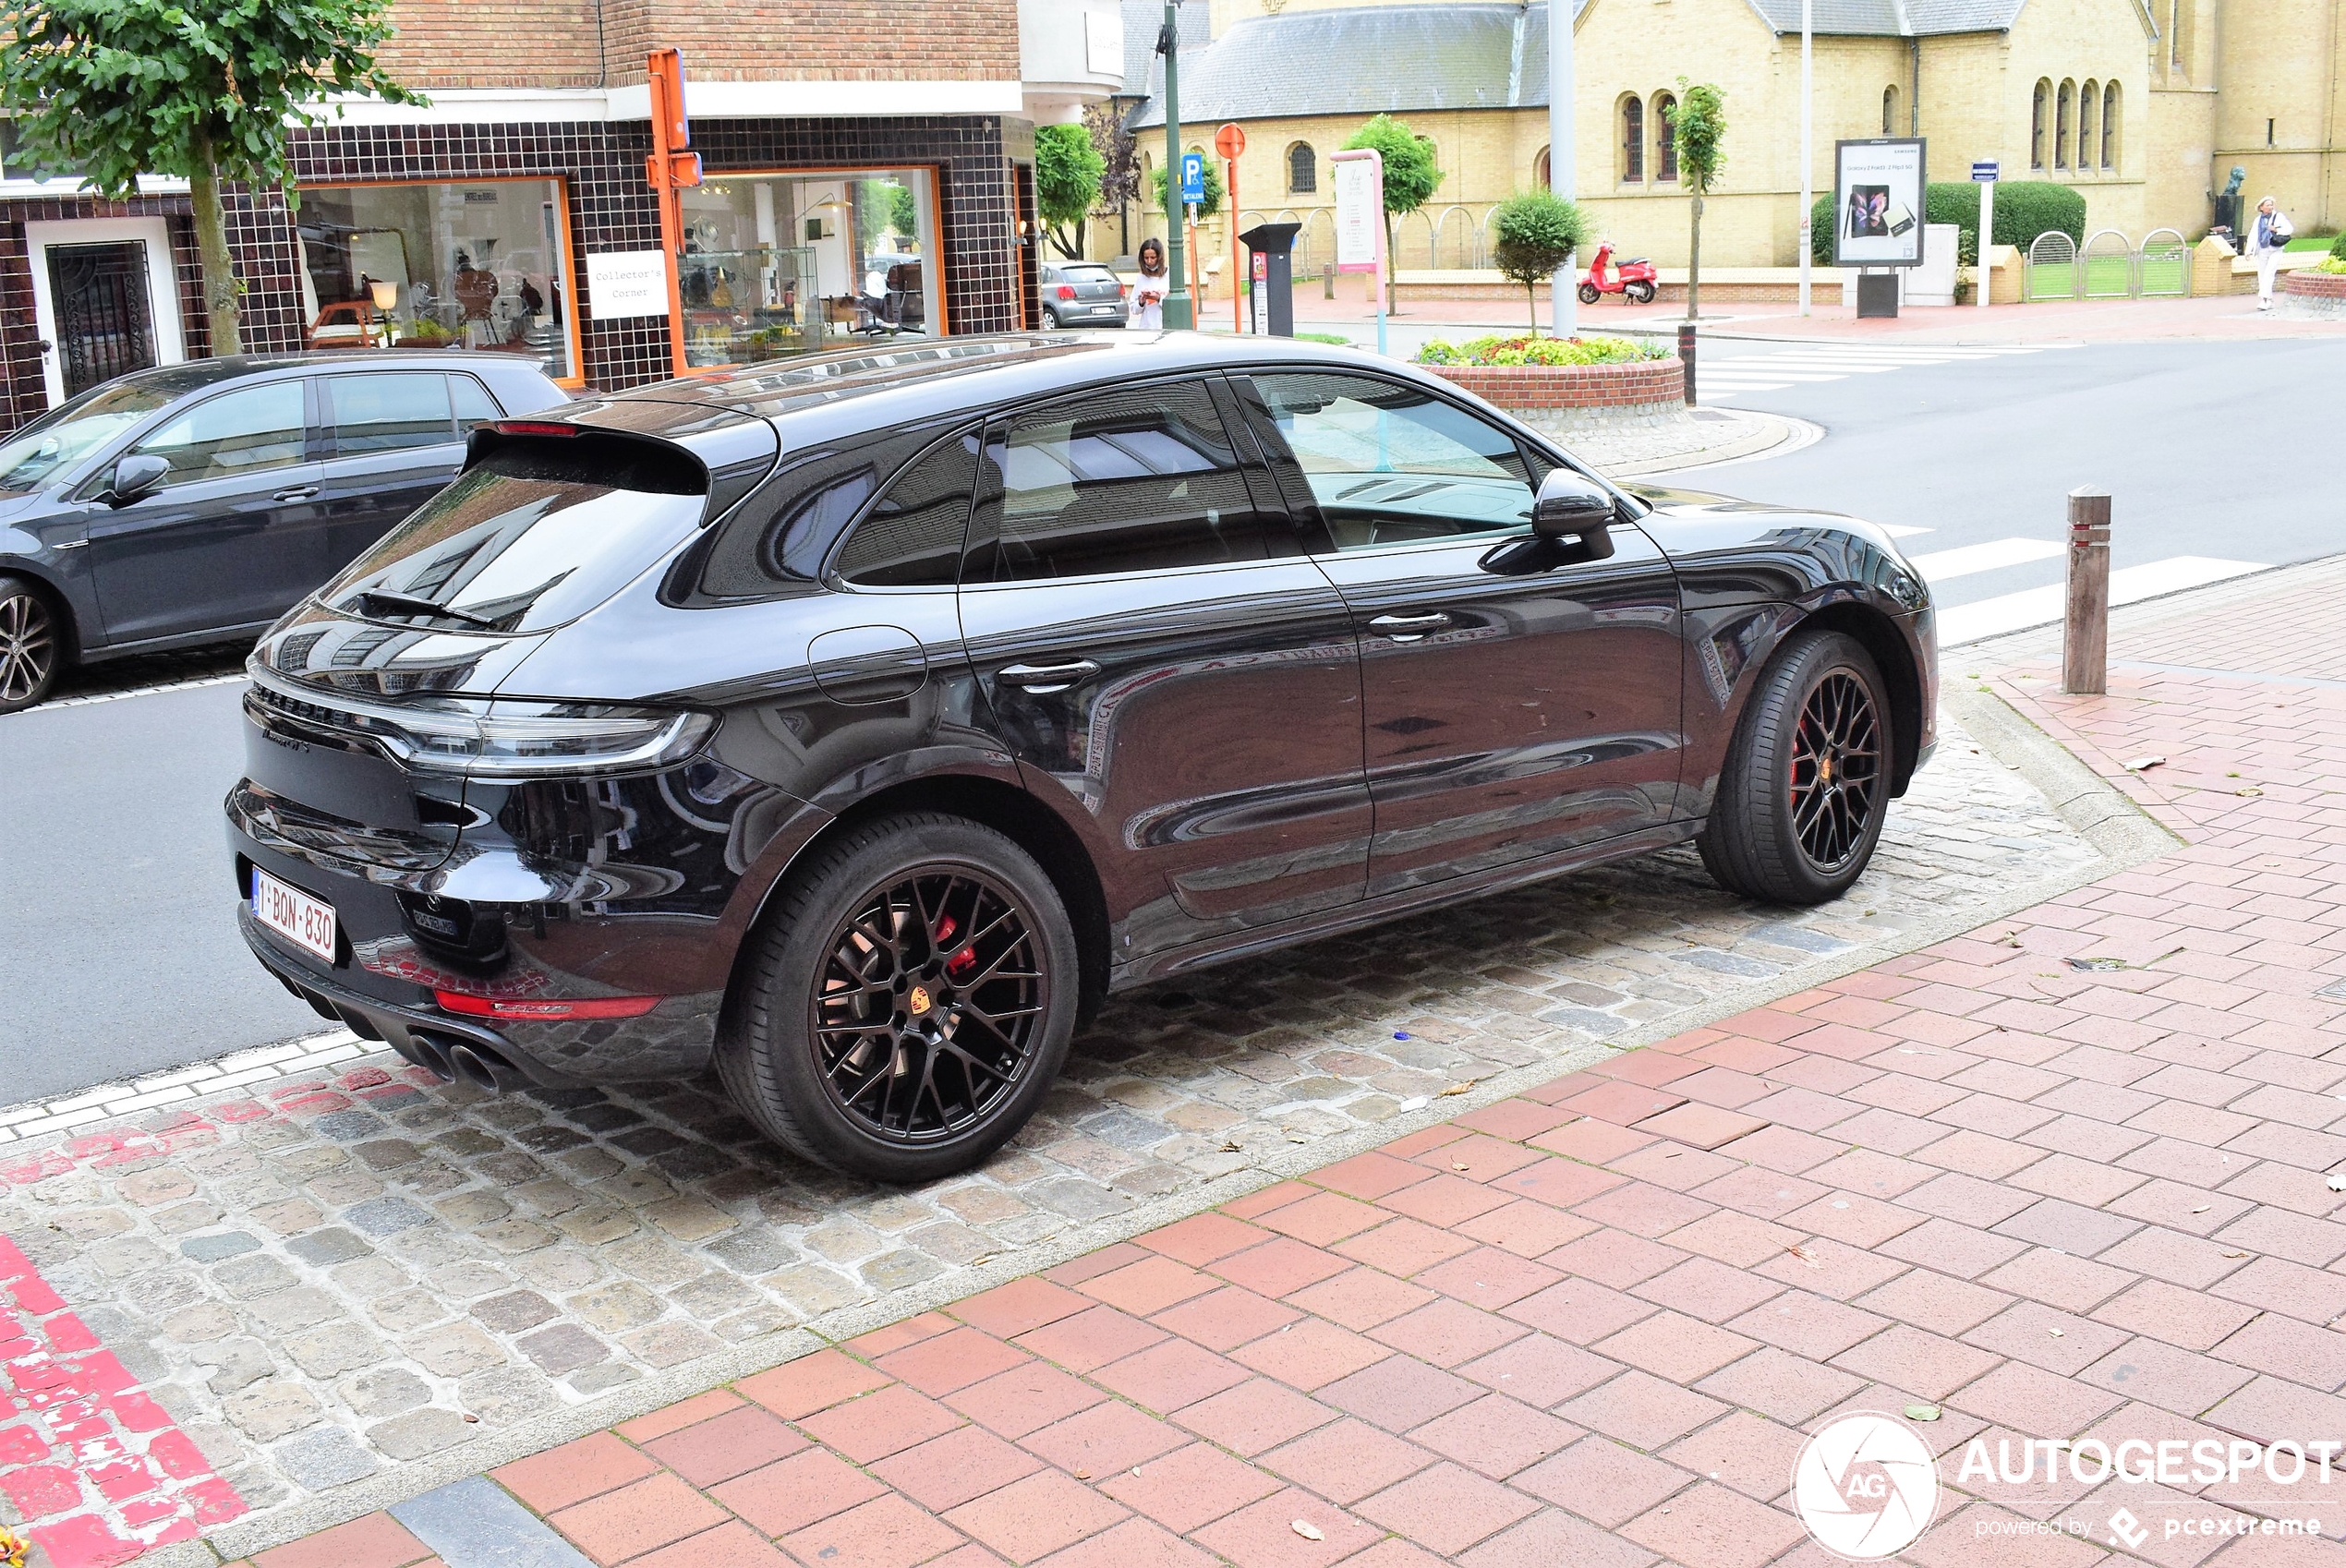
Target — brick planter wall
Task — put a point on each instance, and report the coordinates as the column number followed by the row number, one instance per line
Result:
column 1524, row 387
column 2314, row 294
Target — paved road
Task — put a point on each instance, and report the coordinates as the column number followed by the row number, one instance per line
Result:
column 118, row 953
column 118, row 944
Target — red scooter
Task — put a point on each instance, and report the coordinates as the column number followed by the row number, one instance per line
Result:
column 1634, row 278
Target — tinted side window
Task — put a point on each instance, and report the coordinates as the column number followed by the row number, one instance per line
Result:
column 913, row 537
column 474, row 405
column 1120, row 481
column 780, row 540
column 240, row 432
column 386, row 413
column 1386, row 463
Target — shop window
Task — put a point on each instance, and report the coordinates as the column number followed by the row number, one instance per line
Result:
column 2036, row 125
column 1303, row 169
column 2109, row 127
column 1665, row 137
column 2060, row 123
column 1633, row 142
column 480, row 265
column 781, row 264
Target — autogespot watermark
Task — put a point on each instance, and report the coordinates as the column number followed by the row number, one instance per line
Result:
column 1868, row 1485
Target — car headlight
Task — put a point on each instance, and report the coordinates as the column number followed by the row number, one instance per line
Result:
column 498, row 737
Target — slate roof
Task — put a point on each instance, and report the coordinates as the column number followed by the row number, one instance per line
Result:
column 1143, row 68
column 1891, row 18
column 1372, row 60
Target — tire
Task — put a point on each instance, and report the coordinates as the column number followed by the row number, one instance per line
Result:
column 861, row 911
column 1806, row 787
column 1588, row 293
column 31, row 644
column 1050, row 320
column 1639, row 293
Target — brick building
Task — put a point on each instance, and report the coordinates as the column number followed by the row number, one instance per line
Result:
column 868, row 168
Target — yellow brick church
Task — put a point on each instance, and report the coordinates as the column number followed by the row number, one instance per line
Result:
column 2144, row 106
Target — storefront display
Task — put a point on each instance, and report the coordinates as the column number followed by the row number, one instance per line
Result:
column 777, row 264
column 477, row 265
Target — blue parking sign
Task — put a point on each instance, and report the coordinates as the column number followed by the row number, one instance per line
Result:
column 1192, row 178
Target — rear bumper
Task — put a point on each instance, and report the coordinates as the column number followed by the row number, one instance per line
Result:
column 447, row 1048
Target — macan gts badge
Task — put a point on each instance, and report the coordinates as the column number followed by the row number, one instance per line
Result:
column 852, row 728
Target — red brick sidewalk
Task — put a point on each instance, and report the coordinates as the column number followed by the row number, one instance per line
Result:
column 2062, row 1176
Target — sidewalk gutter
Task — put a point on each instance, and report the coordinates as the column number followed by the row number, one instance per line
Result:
column 2117, row 830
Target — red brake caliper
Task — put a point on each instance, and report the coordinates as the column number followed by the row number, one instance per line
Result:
column 958, row 964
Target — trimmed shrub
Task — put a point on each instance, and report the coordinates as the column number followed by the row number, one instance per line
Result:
column 2338, row 249
column 1500, row 350
column 2025, row 209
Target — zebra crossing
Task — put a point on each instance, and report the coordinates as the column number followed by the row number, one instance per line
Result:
column 1718, row 379
column 1968, row 621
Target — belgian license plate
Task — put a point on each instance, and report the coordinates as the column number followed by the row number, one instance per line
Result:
column 304, row 922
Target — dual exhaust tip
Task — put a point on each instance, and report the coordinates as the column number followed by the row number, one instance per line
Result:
column 449, row 1059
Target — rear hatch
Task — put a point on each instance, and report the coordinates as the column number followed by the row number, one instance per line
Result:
column 376, row 699
column 1095, row 286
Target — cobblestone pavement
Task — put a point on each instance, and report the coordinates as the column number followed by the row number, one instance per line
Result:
column 314, row 1281
column 2054, row 1188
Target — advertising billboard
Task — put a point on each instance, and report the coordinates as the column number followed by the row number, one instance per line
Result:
column 1877, row 204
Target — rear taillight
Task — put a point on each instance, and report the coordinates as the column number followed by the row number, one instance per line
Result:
column 545, row 1010
column 533, row 427
column 1067, row 291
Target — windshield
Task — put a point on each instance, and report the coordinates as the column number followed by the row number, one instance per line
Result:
column 536, row 533
column 48, row 446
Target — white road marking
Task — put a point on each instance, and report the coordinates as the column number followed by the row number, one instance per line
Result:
column 1802, row 364
column 1936, row 566
column 2037, row 607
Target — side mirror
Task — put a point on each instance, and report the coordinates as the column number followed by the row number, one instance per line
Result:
column 135, row 476
column 1573, row 506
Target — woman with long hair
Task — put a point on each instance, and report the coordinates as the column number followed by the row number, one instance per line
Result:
column 1148, row 295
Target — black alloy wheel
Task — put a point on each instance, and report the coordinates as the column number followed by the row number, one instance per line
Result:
column 1836, row 770
column 1806, row 787
column 30, row 651
column 925, row 1011
column 907, row 1003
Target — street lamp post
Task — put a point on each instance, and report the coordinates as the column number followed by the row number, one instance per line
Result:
column 1564, row 303
column 1176, row 307
column 1808, row 161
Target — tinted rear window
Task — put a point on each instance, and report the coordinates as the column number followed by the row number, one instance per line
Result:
column 1092, row 274
column 536, row 533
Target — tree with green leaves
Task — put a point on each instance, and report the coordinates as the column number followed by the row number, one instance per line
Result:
column 1119, row 153
column 904, row 211
column 114, row 88
column 1410, row 179
column 1536, row 233
column 1699, row 126
column 1067, row 183
column 1206, row 209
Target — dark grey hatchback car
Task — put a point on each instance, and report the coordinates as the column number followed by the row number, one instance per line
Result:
column 194, row 502
column 855, row 727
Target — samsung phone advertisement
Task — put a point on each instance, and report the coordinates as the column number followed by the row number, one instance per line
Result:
column 1877, row 186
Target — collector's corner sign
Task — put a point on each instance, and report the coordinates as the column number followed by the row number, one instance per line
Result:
column 1878, row 200
column 620, row 283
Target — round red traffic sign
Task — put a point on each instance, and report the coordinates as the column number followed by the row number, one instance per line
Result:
column 1230, row 141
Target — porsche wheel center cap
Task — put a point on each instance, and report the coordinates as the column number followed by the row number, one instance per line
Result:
column 919, row 1001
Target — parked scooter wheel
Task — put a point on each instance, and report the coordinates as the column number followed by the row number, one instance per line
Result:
column 1639, row 291
column 1588, row 294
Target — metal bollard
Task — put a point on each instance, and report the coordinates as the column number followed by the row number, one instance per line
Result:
column 2085, row 636
column 1328, row 280
column 1686, row 352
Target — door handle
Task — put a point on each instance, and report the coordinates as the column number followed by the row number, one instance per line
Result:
column 1408, row 628
column 1045, row 679
column 299, row 492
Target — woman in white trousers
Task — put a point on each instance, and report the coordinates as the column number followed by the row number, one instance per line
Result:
column 2267, row 238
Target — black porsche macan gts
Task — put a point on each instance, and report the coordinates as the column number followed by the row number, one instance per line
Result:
column 856, row 727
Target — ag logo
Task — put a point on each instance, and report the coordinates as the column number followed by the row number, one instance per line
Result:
column 1866, row 1487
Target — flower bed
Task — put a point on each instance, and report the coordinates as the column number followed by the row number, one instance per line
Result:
column 1531, row 377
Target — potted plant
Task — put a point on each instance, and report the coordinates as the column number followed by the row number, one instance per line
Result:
column 424, row 332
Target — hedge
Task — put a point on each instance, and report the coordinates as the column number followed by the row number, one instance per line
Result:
column 2025, row 209
column 1501, row 349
